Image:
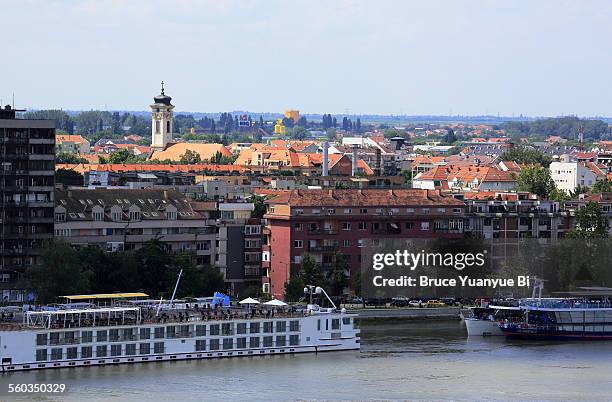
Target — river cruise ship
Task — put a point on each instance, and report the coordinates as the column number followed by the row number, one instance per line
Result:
column 582, row 318
column 485, row 320
column 90, row 335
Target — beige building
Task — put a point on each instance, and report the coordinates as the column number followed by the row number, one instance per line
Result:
column 72, row 144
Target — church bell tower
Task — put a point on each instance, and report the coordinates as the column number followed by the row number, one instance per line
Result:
column 161, row 120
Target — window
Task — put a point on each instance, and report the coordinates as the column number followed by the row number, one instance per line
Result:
column 41, row 339
column 60, row 216
column 346, row 243
column 145, row 333
column 409, row 210
column 101, row 336
column 267, row 341
column 200, row 345
column 171, row 215
column 241, row 328
column 156, row 126
column 363, row 210
column 113, row 335
column 86, row 336
column 267, row 328
column 424, row 225
column 86, row 352
column 241, row 343
column 101, row 351
column 348, row 211
column 298, row 244
column 214, row 329
column 134, row 215
column 145, row 348
column 171, row 331
column 346, row 225
column 331, row 211
column 116, row 216
column 200, row 330
column 425, row 211
column 409, row 225
column 363, row 226
column 254, row 342
column 98, row 216
column 41, row 355
column 159, row 332
column 298, row 227
column 214, row 344
column 281, row 340
column 294, row 325
column 316, row 211
column 281, row 326
column 115, row 350
column 456, row 210
column 56, row 354
column 254, row 328
column 159, row 347
column 360, row 243
column 335, row 323
column 294, row 340
column 394, row 211
column 297, row 259
column 130, row 349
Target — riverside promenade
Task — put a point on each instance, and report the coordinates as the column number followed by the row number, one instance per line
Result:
column 409, row 313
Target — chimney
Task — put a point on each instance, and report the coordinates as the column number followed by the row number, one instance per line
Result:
column 325, row 159
column 377, row 166
column 354, row 164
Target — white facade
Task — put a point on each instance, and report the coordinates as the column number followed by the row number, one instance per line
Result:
column 569, row 175
column 161, row 121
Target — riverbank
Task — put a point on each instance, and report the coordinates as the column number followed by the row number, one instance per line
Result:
column 438, row 313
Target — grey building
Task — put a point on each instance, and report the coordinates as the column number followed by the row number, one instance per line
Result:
column 27, row 180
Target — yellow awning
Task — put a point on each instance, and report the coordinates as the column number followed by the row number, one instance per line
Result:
column 105, row 296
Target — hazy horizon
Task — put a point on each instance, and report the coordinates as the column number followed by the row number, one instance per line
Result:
column 418, row 58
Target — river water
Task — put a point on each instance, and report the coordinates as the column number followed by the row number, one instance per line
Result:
column 430, row 360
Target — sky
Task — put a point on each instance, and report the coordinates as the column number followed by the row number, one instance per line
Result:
column 507, row 57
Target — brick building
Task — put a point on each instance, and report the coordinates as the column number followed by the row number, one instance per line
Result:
column 322, row 222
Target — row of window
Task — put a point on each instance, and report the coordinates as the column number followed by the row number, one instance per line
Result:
column 131, row 349
column 375, row 211
column 172, row 331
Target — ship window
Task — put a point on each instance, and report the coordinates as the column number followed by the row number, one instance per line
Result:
column 214, row 344
column 241, row 343
column 254, row 342
column 145, row 333
column 184, row 331
column 115, row 350
column 254, row 328
column 56, row 354
column 294, row 325
column 71, row 353
column 171, row 331
column 86, row 352
column 336, row 323
column 346, row 321
column 200, row 330
column 228, row 343
column 281, row 326
column 145, row 348
column 158, row 347
column 214, row 329
column 268, row 326
column 101, row 336
column 159, row 332
column 113, row 335
column 101, row 351
column 86, row 336
column 130, row 349
column 318, row 325
column 41, row 355
column 41, row 339
column 281, row 340
column 241, row 328
column 200, row 345
column 226, row 329
column 294, row 340
column 267, row 341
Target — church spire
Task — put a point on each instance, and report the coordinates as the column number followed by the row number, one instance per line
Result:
column 162, row 90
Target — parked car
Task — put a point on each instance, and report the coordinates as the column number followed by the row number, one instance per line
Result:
column 435, row 303
column 399, row 302
column 416, row 303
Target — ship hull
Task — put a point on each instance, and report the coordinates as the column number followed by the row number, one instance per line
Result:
column 476, row 327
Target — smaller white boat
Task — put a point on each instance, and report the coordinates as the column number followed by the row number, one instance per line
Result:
column 485, row 321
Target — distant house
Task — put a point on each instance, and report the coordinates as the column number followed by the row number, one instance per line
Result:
column 73, row 144
column 174, row 151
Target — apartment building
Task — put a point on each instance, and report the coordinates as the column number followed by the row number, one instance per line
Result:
column 124, row 219
column 569, row 175
column 323, row 222
column 27, row 181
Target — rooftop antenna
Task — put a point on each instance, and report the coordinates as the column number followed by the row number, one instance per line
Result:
column 162, row 91
column 580, row 137
column 13, row 100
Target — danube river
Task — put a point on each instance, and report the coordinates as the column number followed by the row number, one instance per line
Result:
column 398, row 360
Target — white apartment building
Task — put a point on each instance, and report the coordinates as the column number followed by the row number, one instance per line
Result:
column 569, row 175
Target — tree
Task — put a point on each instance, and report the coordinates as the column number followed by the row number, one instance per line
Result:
column 190, row 158
column 65, row 157
column 407, row 173
column 450, row 137
column 590, row 223
column 310, row 272
column 69, row 177
column 356, row 283
column 60, row 272
column 358, row 125
column 259, row 207
column 527, row 156
column 288, row 122
column 294, row 289
column 120, row 156
column 338, row 278
column 536, row 180
column 302, row 122
column 602, row 186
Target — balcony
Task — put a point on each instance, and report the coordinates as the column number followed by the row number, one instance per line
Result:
column 323, row 248
column 322, row 231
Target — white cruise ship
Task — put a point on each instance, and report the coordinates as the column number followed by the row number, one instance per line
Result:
column 91, row 335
